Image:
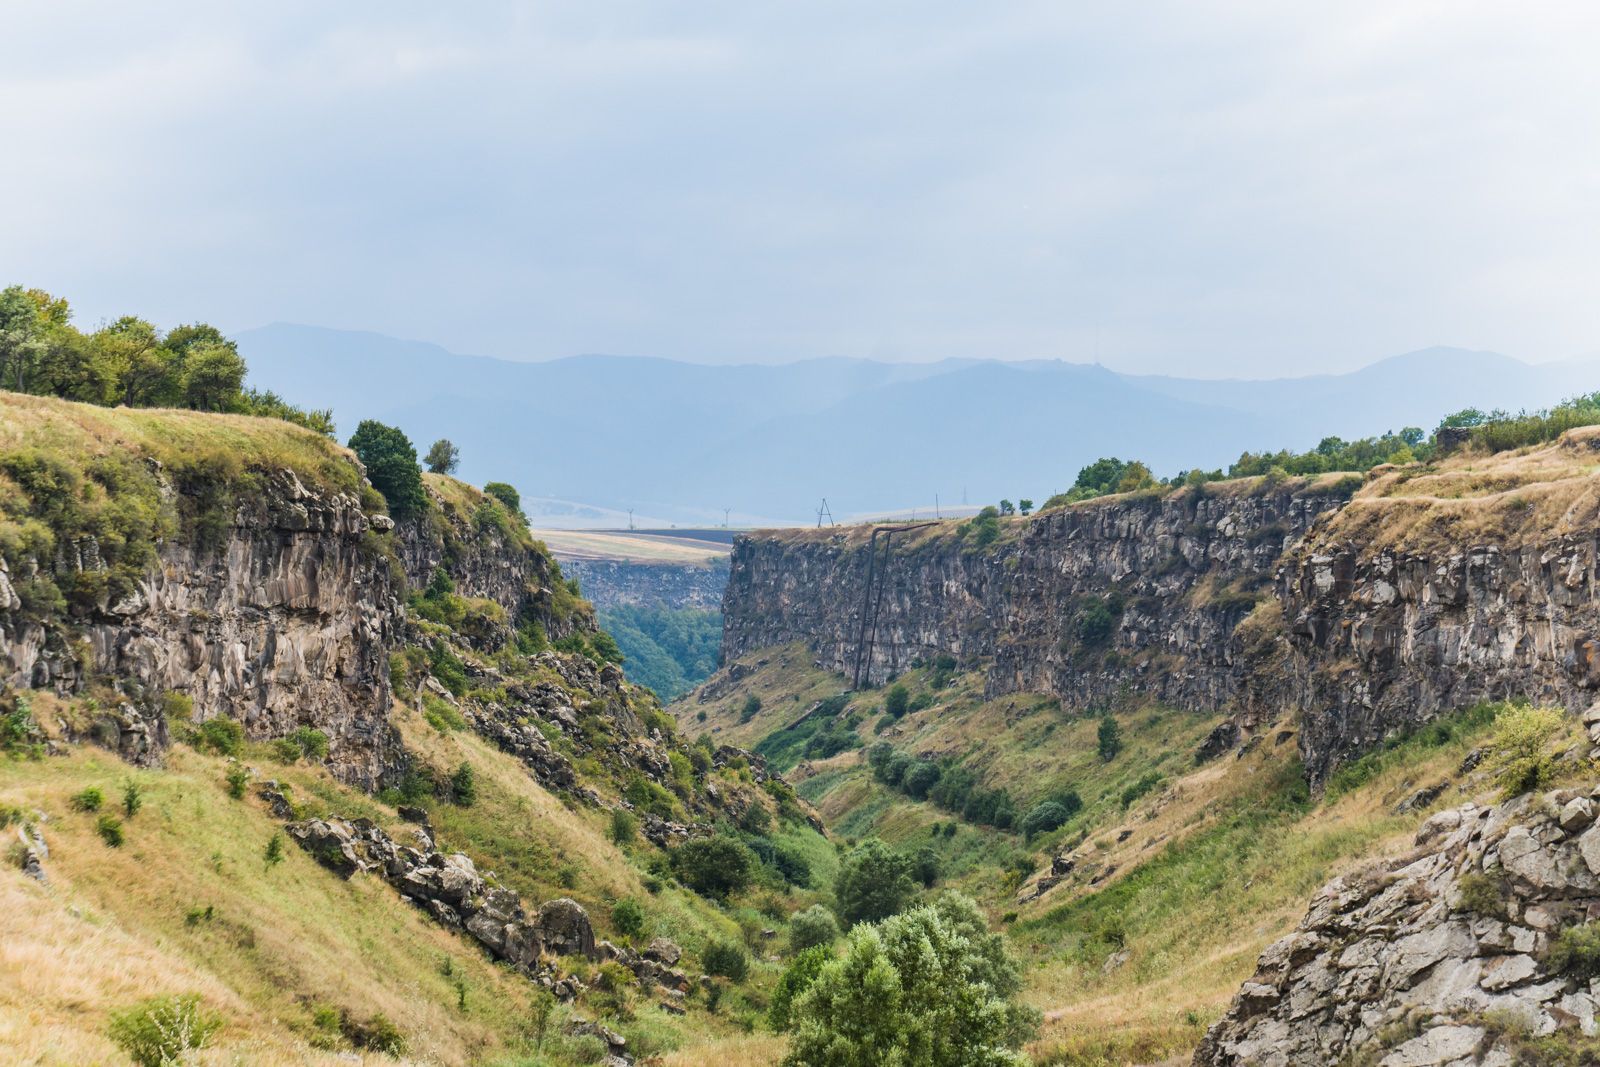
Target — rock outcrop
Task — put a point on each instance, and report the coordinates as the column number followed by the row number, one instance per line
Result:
column 282, row 618
column 1443, row 956
column 451, row 889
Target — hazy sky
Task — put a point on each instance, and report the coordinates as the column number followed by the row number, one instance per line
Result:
column 1237, row 188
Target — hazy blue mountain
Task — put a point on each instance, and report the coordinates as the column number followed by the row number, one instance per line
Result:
column 594, row 435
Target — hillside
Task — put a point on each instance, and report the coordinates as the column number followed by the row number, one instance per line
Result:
column 681, row 441
column 221, row 655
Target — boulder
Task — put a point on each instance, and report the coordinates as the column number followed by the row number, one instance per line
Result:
column 565, row 928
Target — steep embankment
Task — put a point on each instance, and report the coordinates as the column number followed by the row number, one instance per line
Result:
column 1428, row 589
column 194, row 565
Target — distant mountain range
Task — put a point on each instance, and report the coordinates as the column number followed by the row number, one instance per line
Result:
column 588, row 437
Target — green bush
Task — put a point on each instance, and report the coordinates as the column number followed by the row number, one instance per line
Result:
column 1519, row 750
column 1576, row 951
column 797, row 978
column 812, row 927
column 238, row 778
column 90, row 799
column 109, row 827
column 714, row 866
column 1478, row 893
column 441, row 714
column 897, row 701
column 447, row 667
column 222, row 736
column 873, row 883
column 1043, row 817
column 628, row 917
column 164, row 1031
column 464, row 786
column 1108, row 738
column 132, row 798
column 310, row 743
column 922, row 776
column 727, row 959
column 751, row 708
column 624, row 827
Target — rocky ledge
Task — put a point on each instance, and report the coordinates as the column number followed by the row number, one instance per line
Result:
column 455, row 893
column 1461, row 952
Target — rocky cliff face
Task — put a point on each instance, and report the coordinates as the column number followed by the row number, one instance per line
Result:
column 1082, row 602
column 1429, row 591
column 1383, row 639
column 285, row 620
column 484, row 560
column 1445, row 956
column 612, row 583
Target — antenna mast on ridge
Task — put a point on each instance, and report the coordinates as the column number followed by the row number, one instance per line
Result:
column 823, row 511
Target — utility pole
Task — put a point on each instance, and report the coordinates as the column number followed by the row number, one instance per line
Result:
column 725, row 517
column 630, row 518
column 936, row 506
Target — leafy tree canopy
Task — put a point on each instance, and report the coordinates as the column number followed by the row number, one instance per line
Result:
column 391, row 464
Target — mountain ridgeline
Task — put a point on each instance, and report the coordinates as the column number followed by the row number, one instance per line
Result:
column 682, row 441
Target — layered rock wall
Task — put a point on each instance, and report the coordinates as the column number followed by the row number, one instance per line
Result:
column 1083, row 602
column 287, row 620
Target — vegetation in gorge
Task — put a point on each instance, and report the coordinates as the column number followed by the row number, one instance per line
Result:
column 668, row 650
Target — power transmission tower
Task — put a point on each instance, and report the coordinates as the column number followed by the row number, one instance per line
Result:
column 823, row 511
column 630, row 518
column 725, row 517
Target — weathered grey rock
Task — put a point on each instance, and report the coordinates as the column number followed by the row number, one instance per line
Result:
column 664, row 950
column 566, row 928
column 1390, row 944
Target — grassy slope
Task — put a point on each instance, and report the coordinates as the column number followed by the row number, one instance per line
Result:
column 1213, row 864
column 111, row 929
column 174, row 437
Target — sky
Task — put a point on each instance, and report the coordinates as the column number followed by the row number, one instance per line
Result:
column 1225, row 189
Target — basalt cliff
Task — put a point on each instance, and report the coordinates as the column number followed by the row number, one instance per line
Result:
column 1364, row 606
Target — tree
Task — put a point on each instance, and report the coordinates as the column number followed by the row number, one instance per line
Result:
column 1025, row 505
column 802, row 971
column 22, row 341
column 874, row 882
column 752, row 708
column 1109, row 737
column 464, row 785
column 443, row 457
column 1007, row 508
column 896, row 700
column 920, row 779
column 391, row 464
column 1045, row 816
column 932, row 987
column 213, row 376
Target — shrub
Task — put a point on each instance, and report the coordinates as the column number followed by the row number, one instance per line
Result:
column 238, row 778
column 727, row 959
column 164, row 1031
column 752, row 708
column 713, row 866
column 897, row 701
column 624, row 827
column 507, row 495
column 441, row 714
column 464, row 786
column 1576, row 951
column 874, row 882
column 791, row 862
column 132, row 798
column 91, row 799
column 1482, row 894
column 443, row 456
column 797, row 978
column 447, row 668
column 109, row 827
column 1519, row 748
column 1108, row 738
column 273, row 853
column 1043, row 817
column 222, row 736
column 377, row 1034
column 628, row 917
column 310, row 743
column 812, row 927
column 920, row 778
column 891, row 998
